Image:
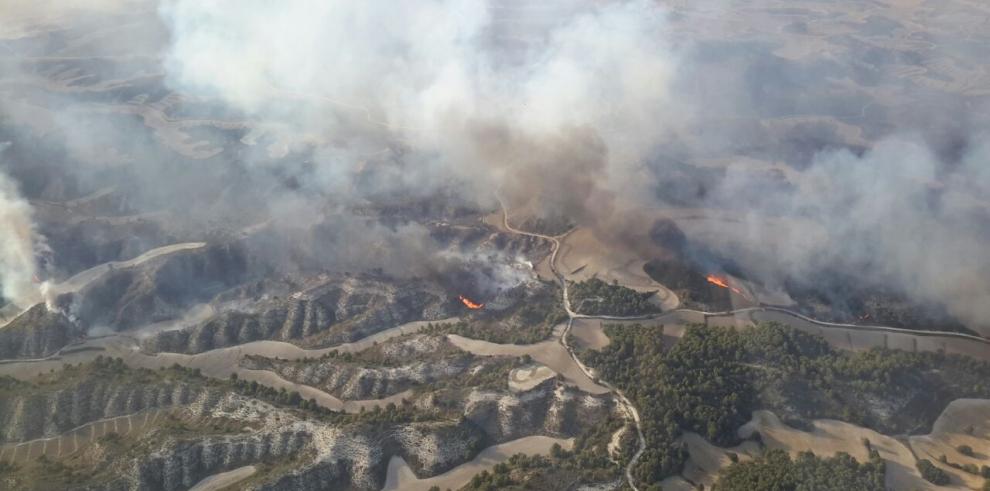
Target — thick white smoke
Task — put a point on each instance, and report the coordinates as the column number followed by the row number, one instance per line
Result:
column 17, row 252
column 589, row 81
column 564, row 109
column 560, row 103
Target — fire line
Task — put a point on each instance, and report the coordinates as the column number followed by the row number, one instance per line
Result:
column 723, row 282
column 469, row 304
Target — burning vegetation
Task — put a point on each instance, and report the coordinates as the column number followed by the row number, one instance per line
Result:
column 723, row 282
column 470, row 304
column 694, row 285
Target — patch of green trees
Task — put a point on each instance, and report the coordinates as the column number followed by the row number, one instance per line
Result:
column 712, row 379
column 932, row 473
column 587, row 462
column 775, row 470
column 596, row 297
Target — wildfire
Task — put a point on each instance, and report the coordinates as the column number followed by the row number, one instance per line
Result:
column 723, row 282
column 469, row 304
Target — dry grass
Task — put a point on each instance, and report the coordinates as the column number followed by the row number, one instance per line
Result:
column 964, row 422
column 525, row 378
column 830, row 437
column 550, row 353
column 584, row 254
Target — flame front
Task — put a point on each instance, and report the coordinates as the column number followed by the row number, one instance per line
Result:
column 723, row 282
column 469, row 304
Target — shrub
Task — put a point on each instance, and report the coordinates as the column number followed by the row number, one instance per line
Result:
column 931, row 473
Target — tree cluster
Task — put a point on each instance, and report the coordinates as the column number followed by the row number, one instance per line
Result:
column 596, row 297
column 932, row 473
column 712, row 379
column 587, row 463
column 776, row 471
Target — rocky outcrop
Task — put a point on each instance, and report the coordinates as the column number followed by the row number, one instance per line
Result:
column 551, row 408
column 181, row 465
column 359, row 460
column 319, row 456
column 354, row 382
column 356, row 457
column 298, row 452
column 434, row 448
column 417, row 346
column 37, row 333
column 335, row 312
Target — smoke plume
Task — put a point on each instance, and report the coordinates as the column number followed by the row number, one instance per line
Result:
column 791, row 158
column 17, row 250
column 893, row 217
column 562, row 112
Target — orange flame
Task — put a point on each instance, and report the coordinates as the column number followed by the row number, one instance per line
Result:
column 723, row 282
column 469, row 304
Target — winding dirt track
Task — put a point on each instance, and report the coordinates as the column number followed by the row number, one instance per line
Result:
column 70, row 441
column 550, row 353
column 221, row 363
column 80, row 280
column 86, row 277
column 951, row 342
column 624, row 402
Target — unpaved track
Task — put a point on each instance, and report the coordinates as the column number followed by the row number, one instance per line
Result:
column 50, row 291
column 960, row 343
column 588, row 332
column 72, row 440
column 222, row 363
column 224, row 479
column 624, row 403
column 550, row 353
column 84, row 278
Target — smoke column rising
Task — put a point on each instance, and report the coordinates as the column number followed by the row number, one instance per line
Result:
column 563, row 110
column 17, row 238
column 574, row 108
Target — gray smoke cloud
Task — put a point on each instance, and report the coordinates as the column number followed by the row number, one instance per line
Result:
column 894, row 216
column 570, row 107
column 229, row 113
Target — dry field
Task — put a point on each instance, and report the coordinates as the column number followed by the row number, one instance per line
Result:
column 525, row 378
column 964, row 422
column 830, row 437
column 550, row 353
column 224, row 480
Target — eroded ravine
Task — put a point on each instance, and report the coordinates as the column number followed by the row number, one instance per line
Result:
column 557, row 353
column 221, row 363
